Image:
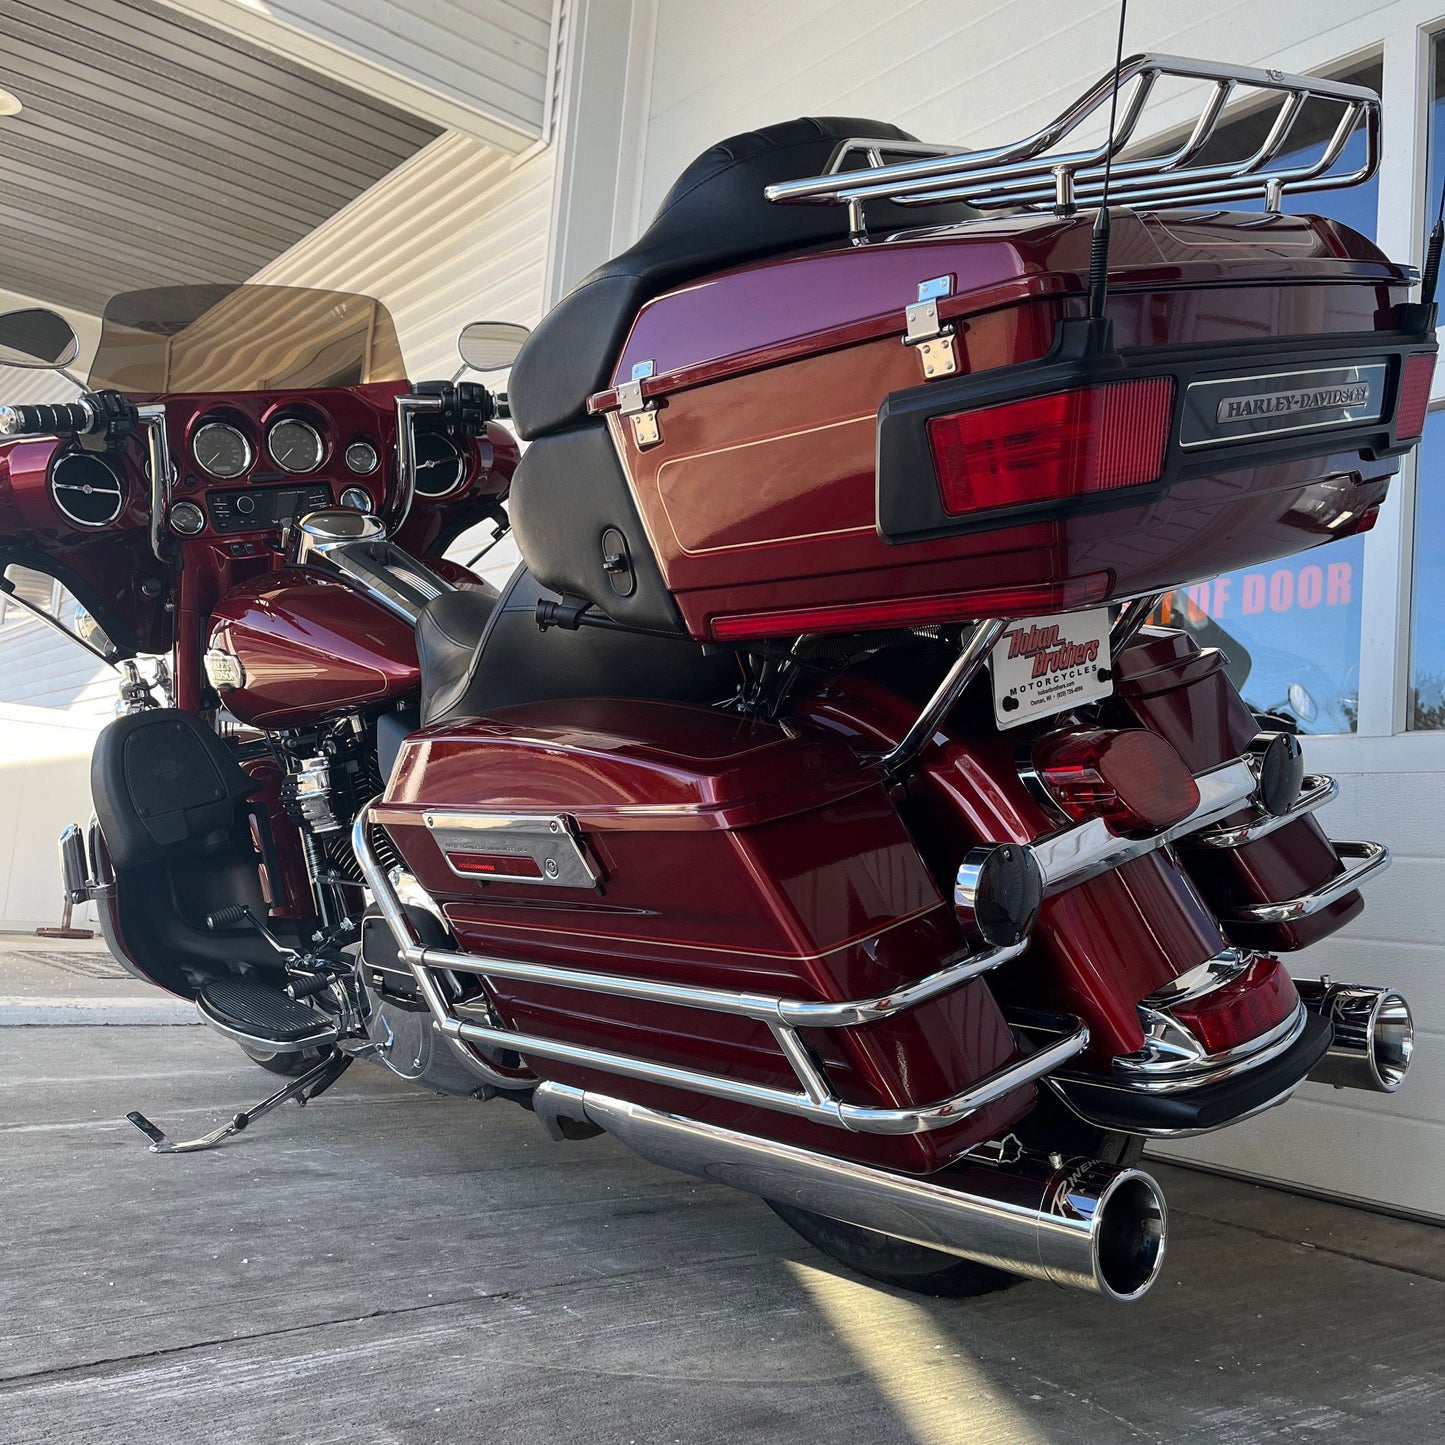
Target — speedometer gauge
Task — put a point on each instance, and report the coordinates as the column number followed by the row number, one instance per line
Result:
column 296, row 445
column 221, row 449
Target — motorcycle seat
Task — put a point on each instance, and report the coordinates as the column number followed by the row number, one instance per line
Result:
column 714, row 217
column 478, row 654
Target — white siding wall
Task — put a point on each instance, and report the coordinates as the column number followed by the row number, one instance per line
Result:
column 483, row 66
column 983, row 73
column 457, row 234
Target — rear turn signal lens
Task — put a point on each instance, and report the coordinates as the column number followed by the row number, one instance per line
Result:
column 1414, row 396
column 1050, row 448
column 1134, row 780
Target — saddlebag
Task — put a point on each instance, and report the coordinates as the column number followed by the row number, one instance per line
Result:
column 690, row 846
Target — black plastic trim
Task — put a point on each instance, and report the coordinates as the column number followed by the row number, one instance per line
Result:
column 1209, row 1107
column 910, row 509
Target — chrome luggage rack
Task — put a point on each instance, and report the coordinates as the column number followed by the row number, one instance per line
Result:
column 1033, row 172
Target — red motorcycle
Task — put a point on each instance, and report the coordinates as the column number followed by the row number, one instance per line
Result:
column 815, row 810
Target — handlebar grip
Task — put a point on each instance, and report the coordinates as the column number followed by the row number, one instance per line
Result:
column 71, row 418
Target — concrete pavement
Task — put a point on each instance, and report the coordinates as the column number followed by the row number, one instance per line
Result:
column 390, row 1266
column 67, row 981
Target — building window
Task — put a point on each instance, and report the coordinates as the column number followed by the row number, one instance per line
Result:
column 1291, row 629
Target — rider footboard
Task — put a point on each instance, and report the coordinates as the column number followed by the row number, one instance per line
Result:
column 726, row 912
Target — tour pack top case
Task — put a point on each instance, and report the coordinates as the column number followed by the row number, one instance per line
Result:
column 796, row 468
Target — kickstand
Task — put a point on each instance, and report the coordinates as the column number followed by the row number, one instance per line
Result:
column 306, row 1087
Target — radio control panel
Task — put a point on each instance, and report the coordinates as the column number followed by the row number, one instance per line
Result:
column 257, row 509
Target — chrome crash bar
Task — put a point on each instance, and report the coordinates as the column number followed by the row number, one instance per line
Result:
column 1034, row 172
column 815, row 1098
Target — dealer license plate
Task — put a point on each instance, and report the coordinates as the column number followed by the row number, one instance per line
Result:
column 1043, row 665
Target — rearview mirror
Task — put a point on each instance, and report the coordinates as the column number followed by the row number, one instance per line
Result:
column 491, row 345
column 37, row 338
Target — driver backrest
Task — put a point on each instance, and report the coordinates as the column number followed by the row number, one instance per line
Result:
column 715, row 216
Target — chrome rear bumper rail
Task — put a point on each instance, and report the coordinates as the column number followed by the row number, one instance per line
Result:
column 1318, row 789
column 1369, row 861
column 1075, row 855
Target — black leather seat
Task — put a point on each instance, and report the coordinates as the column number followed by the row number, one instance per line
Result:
column 715, row 216
column 478, row 654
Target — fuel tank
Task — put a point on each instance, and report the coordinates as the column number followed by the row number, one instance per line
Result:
column 292, row 648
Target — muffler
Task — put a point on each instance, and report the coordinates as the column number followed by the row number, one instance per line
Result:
column 1374, row 1034
column 1083, row 1224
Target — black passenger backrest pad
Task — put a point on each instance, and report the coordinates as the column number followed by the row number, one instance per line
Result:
column 163, row 783
column 569, row 491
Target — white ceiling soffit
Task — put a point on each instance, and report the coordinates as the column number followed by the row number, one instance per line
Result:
column 154, row 150
column 483, row 67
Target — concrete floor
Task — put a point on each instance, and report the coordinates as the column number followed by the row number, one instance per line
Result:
column 390, row 1266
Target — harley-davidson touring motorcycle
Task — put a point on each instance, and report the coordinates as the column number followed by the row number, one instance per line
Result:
column 815, row 810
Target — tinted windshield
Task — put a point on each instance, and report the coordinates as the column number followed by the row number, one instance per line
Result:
column 243, row 338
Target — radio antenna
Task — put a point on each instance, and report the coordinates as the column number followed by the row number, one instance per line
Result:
column 1431, row 273
column 1099, row 249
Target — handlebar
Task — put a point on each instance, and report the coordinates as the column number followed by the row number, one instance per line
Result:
column 71, row 418
column 106, row 413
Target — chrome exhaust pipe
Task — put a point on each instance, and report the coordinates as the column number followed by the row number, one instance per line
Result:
column 1082, row 1224
column 1374, row 1034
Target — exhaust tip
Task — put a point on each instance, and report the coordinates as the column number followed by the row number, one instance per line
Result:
column 1373, row 1035
column 1392, row 1041
column 1132, row 1229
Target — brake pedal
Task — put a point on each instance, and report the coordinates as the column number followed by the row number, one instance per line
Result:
column 303, row 1089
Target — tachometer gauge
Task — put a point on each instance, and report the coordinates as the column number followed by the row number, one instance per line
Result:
column 439, row 465
column 221, row 449
column 295, row 445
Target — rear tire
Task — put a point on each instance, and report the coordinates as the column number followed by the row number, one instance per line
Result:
column 1049, row 1128
column 289, row 1065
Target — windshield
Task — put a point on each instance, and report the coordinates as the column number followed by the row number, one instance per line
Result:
column 243, row 338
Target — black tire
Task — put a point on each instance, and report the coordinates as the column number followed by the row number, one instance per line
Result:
column 1048, row 1128
column 290, row 1065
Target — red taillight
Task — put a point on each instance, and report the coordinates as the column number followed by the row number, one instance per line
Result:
column 1066, row 596
column 1414, row 396
column 495, row 865
column 1134, row 780
column 1051, row 448
column 1261, row 997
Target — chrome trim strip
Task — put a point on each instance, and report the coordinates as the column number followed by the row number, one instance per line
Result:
column 1172, row 1061
column 1202, row 979
column 1318, row 790
column 1077, row 854
column 548, row 840
column 1370, row 860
